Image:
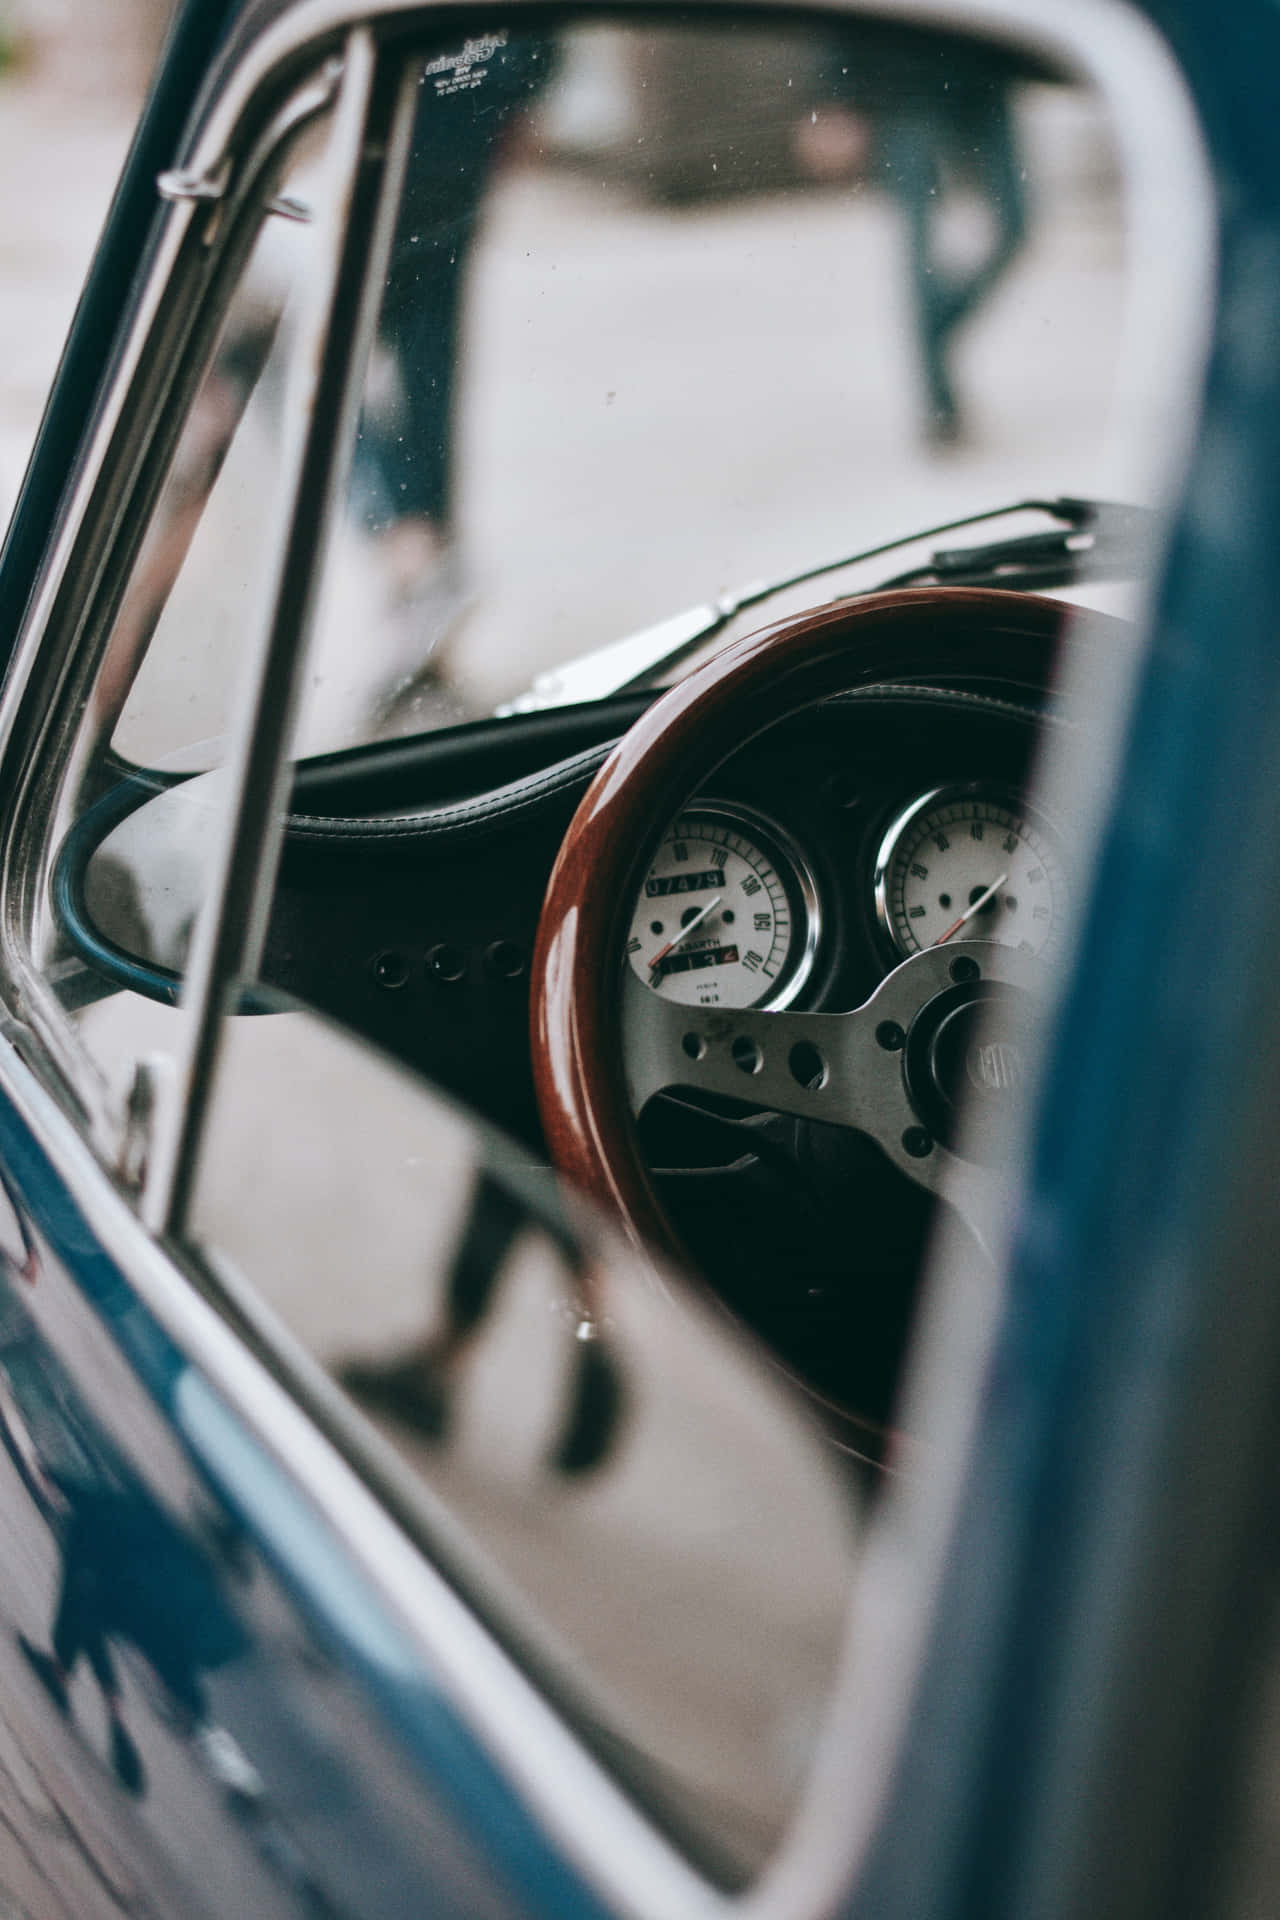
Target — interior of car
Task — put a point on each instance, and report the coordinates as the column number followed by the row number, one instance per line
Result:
column 793, row 835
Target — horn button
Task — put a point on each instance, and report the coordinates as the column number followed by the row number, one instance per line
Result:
column 966, row 1050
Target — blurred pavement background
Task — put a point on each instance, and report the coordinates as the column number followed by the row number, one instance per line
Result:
column 72, row 77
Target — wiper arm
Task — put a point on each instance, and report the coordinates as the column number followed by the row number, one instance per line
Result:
column 1107, row 541
column 1096, row 539
column 624, row 663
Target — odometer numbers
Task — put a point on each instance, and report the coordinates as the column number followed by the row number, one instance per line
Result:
column 727, row 914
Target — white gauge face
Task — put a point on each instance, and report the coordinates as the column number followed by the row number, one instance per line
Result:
column 963, row 864
column 725, row 918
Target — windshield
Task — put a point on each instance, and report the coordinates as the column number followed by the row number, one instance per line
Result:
column 671, row 309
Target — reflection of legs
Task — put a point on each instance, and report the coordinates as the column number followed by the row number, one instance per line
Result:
column 415, row 1389
column 991, row 153
column 403, row 478
column 182, row 1683
column 77, row 1629
column 909, row 147
column 419, row 325
column 981, row 141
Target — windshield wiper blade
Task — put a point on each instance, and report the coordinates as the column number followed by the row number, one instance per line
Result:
column 1107, row 539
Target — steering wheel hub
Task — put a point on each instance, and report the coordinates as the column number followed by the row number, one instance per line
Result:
column 966, row 1051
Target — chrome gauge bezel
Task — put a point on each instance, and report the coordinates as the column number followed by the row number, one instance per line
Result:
column 793, row 870
column 995, row 794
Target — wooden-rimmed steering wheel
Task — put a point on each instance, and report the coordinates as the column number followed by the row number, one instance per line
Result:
column 603, row 1043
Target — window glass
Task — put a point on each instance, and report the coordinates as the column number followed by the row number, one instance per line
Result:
column 664, row 309
column 672, row 309
column 142, row 797
column 667, row 311
column 627, row 1496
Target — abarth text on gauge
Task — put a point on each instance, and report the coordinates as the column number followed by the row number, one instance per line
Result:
column 970, row 863
column 727, row 915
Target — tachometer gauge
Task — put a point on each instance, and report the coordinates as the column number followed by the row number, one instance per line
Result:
column 728, row 914
column 972, row 863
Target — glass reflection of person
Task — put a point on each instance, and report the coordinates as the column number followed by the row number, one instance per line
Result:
column 966, row 132
column 416, row 1387
column 129, row 1576
column 404, row 472
column 83, row 1619
column 923, row 115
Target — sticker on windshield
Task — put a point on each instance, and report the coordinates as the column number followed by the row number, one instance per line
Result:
column 459, row 72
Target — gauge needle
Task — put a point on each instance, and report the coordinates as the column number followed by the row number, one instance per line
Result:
column 969, row 911
column 684, row 932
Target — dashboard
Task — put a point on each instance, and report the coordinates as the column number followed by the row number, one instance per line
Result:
column 817, row 857
column 847, row 840
column 820, row 856
column 731, row 913
column 808, row 868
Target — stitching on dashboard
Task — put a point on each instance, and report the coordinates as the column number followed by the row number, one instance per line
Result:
column 501, row 805
column 495, row 807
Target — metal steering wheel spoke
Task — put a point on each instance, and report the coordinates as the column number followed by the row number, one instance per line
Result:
column 847, row 1069
column 813, row 1065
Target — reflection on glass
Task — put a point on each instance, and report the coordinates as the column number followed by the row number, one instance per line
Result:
column 624, row 1493
column 137, row 1627
column 670, row 309
column 189, row 609
column 666, row 310
column 159, row 711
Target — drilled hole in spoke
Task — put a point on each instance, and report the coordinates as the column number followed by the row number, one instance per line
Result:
column 747, row 1054
column 808, row 1068
column 694, row 1045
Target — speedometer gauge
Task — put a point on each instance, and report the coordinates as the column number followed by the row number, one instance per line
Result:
column 971, row 863
column 728, row 913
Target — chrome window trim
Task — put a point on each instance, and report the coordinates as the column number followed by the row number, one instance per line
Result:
column 1171, row 299
column 37, row 736
column 231, row 922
